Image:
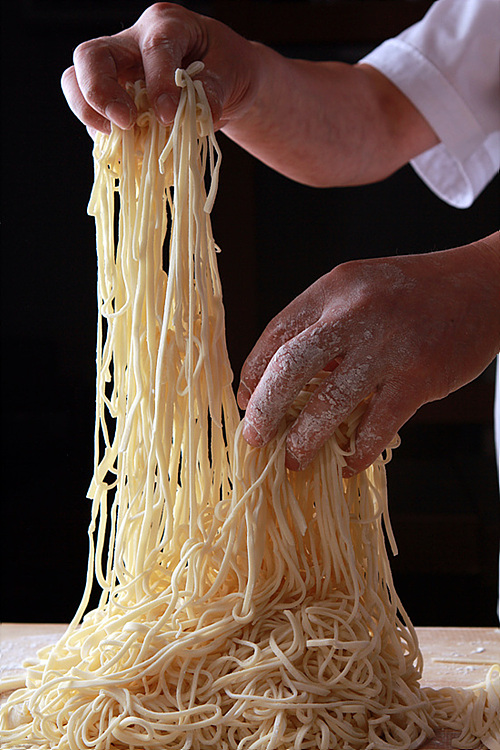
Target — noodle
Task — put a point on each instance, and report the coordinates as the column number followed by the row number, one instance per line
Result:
column 243, row 607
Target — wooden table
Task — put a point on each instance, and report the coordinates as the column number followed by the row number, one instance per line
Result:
column 454, row 657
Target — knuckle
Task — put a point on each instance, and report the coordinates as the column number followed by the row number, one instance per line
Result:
column 92, row 94
column 161, row 37
column 276, row 329
column 87, row 59
column 356, row 275
column 156, row 35
column 160, row 10
column 161, row 23
column 154, row 39
column 89, row 48
column 175, row 30
column 349, row 270
column 285, row 360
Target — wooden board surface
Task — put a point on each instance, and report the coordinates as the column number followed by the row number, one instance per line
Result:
column 453, row 657
column 458, row 657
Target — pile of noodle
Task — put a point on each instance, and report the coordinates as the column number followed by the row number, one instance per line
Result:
column 243, row 606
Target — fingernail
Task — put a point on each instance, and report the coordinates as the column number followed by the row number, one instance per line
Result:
column 120, row 114
column 251, row 435
column 243, row 396
column 166, row 106
column 292, row 462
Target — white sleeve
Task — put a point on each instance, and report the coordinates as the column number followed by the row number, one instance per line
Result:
column 448, row 66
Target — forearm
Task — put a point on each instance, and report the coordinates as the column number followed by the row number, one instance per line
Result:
column 470, row 294
column 481, row 266
column 327, row 123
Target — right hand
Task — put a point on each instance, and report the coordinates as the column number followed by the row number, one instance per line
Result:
column 164, row 38
column 399, row 331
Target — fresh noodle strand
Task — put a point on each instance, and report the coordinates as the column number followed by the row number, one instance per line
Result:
column 243, row 607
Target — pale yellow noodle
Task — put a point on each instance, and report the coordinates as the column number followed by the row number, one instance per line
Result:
column 243, row 607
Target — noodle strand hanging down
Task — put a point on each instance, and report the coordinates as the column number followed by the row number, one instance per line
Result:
column 243, row 607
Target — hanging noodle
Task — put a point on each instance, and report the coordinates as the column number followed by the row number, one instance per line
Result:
column 243, row 606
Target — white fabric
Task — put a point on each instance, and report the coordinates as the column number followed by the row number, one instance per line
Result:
column 448, row 65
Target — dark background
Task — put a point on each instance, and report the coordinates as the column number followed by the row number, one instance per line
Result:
column 277, row 237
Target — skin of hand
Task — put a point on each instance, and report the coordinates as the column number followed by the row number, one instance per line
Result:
column 320, row 123
column 164, row 38
column 400, row 331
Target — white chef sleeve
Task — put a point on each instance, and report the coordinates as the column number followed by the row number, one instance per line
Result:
column 448, row 65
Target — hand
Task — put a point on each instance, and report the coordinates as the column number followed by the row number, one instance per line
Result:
column 400, row 331
column 265, row 102
column 164, row 38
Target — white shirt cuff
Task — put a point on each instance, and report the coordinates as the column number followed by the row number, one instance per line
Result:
column 461, row 164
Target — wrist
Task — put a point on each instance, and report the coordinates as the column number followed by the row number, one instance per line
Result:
column 249, row 101
column 474, row 271
column 486, row 253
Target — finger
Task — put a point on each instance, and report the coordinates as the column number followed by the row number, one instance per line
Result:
column 169, row 40
column 291, row 367
column 101, row 66
column 161, row 60
column 330, row 405
column 294, row 319
column 163, row 48
column 92, row 119
column 386, row 413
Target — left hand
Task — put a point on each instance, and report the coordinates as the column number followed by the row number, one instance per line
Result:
column 402, row 331
column 164, row 38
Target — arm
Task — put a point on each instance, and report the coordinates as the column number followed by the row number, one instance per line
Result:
column 329, row 124
column 399, row 331
column 317, row 122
